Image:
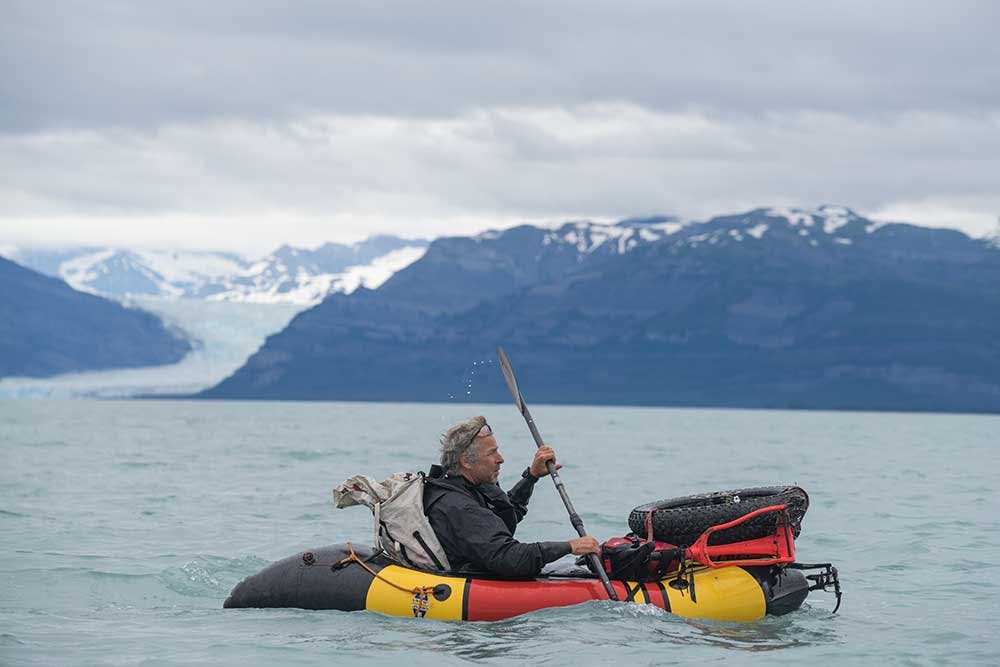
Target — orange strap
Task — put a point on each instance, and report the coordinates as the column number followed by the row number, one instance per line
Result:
column 353, row 558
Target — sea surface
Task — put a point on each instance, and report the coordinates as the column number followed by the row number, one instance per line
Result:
column 126, row 523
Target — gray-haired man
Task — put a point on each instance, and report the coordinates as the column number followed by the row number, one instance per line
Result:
column 475, row 520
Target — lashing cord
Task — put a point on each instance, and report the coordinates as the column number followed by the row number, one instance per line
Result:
column 309, row 559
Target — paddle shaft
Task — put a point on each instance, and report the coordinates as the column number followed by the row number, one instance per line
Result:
column 574, row 518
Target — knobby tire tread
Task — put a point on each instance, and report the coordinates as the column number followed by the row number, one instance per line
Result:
column 681, row 521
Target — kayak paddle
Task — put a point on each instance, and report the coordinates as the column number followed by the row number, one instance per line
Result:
column 574, row 518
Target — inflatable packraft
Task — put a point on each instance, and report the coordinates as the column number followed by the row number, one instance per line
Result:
column 330, row 578
column 726, row 556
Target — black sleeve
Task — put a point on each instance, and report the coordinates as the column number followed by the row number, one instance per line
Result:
column 482, row 538
column 520, row 494
column 498, row 503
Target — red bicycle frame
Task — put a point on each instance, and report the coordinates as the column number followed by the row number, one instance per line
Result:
column 771, row 550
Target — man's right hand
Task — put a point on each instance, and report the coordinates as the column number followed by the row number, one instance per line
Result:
column 582, row 546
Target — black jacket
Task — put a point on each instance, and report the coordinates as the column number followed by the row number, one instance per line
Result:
column 475, row 525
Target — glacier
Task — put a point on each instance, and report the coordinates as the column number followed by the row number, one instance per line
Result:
column 224, row 335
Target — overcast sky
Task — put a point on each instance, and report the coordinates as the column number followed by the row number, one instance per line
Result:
column 242, row 125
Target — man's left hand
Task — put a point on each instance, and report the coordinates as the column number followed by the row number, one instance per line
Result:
column 538, row 467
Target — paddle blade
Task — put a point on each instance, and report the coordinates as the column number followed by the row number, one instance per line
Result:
column 508, row 375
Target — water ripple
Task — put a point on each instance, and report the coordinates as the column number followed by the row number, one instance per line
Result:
column 209, row 575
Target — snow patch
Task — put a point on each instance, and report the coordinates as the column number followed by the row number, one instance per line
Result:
column 647, row 234
column 757, row 231
column 597, row 238
column 842, row 241
column 626, row 242
column 378, row 271
column 587, row 237
column 875, row 226
column 190, row 267
column 794, row 216
column 834, row 217
column 667, row 228
column 308, row 289
column 77, row 272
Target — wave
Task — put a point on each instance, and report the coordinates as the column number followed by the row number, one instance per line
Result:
column 211, row 576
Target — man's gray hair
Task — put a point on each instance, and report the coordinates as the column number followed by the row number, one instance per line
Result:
column 458, row 440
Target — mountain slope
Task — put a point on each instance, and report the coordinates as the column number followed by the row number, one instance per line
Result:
column 457, row 272
column 288, row 275
column 770, row 308
column 46, row 328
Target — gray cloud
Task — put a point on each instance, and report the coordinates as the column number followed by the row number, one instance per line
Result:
column 245, row 125
column 99, row 63
column 345, row 176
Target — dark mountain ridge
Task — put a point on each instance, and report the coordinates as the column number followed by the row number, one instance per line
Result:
column 769, row 308
column 47, row 328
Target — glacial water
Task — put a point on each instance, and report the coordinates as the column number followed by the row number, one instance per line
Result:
column 126, row 523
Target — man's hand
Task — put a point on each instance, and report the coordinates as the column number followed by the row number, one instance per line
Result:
column 585, row 545
column 538, row 467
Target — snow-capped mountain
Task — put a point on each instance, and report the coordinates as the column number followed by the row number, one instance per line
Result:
column 124, row 273
column 288, row 275
column 824, row 225
column 774, row 307
column 821, row 226
column 295, row 275
column 306, row 276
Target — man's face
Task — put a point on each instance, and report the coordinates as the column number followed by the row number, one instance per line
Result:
column 487, row 466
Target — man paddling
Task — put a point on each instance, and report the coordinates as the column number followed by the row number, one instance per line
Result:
column 475, row 520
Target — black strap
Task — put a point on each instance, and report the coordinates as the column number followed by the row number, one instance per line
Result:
column 427, row 550
column 632, row 592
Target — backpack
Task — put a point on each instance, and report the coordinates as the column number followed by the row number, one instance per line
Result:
column 402, row 530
